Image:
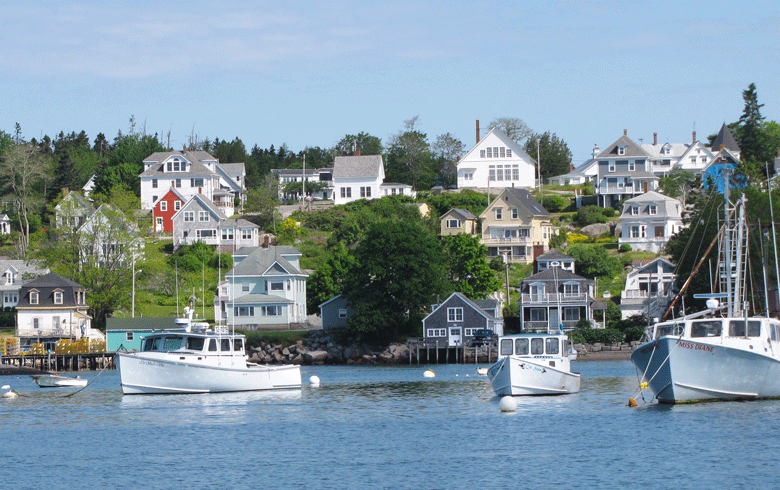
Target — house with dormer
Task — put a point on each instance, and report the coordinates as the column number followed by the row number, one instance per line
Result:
column 554, row 258
column 458, row 220
column 587, row 171
column 266, row 289
column 624, row 172
column 14, row 274
column 495, row 162
column 190, row 173
column 71, row 212
column 52, row 308
column 555, row 298
column 649, row 220
column 198, row 220
column 649, row 288
column 454, row 321
column 515, row 225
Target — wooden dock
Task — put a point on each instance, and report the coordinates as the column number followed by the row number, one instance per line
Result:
column 61, row 362
column 420, row 350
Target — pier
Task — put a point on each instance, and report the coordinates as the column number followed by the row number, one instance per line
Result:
column 461, row 354
column 62, row 362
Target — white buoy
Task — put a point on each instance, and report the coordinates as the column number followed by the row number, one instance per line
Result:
column 314, row 380
column 429, row 374
column 10, row 393
column 508, row 404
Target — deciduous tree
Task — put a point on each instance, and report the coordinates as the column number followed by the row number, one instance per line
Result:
column 514, row 127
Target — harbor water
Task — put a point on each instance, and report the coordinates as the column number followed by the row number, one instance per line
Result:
column 383, row 427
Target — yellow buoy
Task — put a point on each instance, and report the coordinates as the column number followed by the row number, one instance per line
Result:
column 632, row 403
column 643, row 384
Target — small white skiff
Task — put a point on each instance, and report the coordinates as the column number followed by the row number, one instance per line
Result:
column 57, row 381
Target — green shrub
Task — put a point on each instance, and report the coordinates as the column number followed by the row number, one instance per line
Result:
column 596, row 335
column 588, row 215
column 625, row 248
column 555, row 203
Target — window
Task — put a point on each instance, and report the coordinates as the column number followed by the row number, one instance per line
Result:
column 154, row 199
column 521, row 347
column 490, row 152
column 205, row 233
column 365, row 192
column 58, row 297
column 537, row 292
column 515, row 213
column 203, row 216
column 454, row 314
column 499, row 213
column 163, row 205
column 524, row 232
column 515, row 172
column 499, row 172
column 537, row 346
column 481, row 153
column 246, row 233
column 277, row 286
column 634, row 210
column 453, row 223
column 245, row 286
column 492, row 173
column 652, row 209
column 129, row 336
column 635, row 232
column 176, row 205
column 737, row 328
column 227, row 233
column 611, row 167
column 196, row 182
column 346, row 192
column 572, row 289
column 33, row 297
column 553, row 346
column 55, row 322
column 509, row 153
column 189, row 215
column 437, row 332
column 154, row 183
column 666, row 163
column 538, row 315
column 271, row 311
column 35, row 322
column 244, row 311
column 178, row 182
column 621, row 150
column 502, row 151
column 571, row 314
column 342, row 313
column 631, row 166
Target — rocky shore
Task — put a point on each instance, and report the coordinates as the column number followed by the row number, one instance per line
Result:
column 319, row 350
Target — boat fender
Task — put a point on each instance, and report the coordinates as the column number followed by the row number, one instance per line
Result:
column 632, row 403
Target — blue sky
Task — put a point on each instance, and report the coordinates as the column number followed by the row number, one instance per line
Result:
column 308, row 73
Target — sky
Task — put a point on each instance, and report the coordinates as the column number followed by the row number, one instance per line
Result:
column 307, row 73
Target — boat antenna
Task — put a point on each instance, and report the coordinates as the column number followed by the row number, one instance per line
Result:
column 774, row 238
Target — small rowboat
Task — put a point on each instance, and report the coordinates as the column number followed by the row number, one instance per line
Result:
column 57, row 381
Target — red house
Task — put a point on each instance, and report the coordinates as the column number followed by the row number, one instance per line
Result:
column 164, row 209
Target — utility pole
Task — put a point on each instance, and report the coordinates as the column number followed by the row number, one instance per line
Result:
column 539, row 172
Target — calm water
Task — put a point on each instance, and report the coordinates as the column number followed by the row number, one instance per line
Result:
column 384, row 427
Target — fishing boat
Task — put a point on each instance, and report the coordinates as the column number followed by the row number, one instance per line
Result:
column 534, row 364
column 720, row 353
column 199, row 360
column 57, row 381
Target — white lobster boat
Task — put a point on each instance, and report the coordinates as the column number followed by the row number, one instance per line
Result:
column 534, row 364
column 720, row 353
column 199, row 361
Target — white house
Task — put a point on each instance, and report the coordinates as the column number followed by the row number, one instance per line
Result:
column 190, row 173
column 266, row 289
column 588, row 171
column 496, row 162
column 5, row 225
column 648, row 221
column 13, row 275
column 310, row 176
column 52, row 308
column 648, row 289
column 357, row 177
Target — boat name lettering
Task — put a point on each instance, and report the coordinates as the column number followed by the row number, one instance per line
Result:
column 691, row 345
column 151, row 363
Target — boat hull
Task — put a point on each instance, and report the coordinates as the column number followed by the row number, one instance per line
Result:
column 700, row 371
column 54, row 381
column 173, row 373
column 522, row 376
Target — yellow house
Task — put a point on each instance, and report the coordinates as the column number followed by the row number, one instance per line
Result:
column 516, row 225
column 457, row 221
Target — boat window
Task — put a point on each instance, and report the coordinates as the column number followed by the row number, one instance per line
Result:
column 567, row 346
column 506, row 347
column 213, row 345
column 195, row 343
column 156, row 343
column 173, row 343
column 238, row 345
column 149, row 344
column 553, row 346
column 537, row 346
column 737, row 328
column 521, row 347
column 706, row 328
column 225, row 345
column 775, row 332
column 675, row 329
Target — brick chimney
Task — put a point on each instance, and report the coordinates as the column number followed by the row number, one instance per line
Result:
column 625, row 132
column 655, row 139
column 477, row 130
column 266, row 241
column 694, row 137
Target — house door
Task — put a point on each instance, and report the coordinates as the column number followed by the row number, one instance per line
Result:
column 158, row 224
column 554, row 320
column 456, row 338
column 659, row 231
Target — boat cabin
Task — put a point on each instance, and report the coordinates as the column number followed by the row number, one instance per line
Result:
column 209, row 343
column 529, row 345
column 718, row 328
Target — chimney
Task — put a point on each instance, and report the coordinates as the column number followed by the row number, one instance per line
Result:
column 266, row 241
column 655, row 139
column 694, row 136
column 625, row 132
column 477, row 130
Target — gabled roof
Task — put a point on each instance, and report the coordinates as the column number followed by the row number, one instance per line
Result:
column 554, row 255
column 648, row 264
column 466, row 300
column 358, row 167
column 555, row 274
column 264, row 261
column 463, row 213
column 170, row 190
column 632, row 149
column 237, row 223
column 516, row 149
column 196, row 167
column 726, row 139
column 523, row 198
column 203, row 202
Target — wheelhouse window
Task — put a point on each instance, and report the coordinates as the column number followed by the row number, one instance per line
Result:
column 707, row 328
column 173, row 343
column 454, row 314
column 195, row 343
column 553, row 346
column 521, row 347
column 506, row 347
column 537, row 346
column 737, row 328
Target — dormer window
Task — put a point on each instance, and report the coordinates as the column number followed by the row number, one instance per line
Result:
column 621, row 150
column 58, row 295
column 634, row 210
column 176, row 165
column 33, row 297
column 652, row 209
